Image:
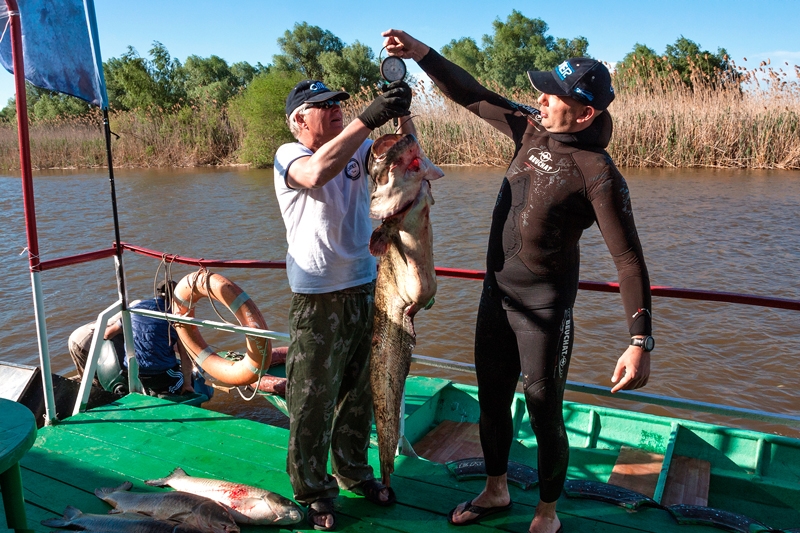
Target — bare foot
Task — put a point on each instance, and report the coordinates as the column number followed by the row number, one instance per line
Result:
column 545, row 519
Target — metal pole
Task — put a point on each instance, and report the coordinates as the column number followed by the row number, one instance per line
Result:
column 30, row 207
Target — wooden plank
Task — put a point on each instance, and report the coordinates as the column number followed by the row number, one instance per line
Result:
column 450, row 441
column 143, row 456
column 687, row 481
column 637, row 470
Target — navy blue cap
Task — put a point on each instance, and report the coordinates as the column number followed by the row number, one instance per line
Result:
column 311, row 91
column 586, row 80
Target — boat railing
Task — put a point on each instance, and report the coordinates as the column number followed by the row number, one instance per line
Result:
column 636, row 396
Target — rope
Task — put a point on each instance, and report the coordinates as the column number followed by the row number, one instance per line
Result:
column 206, row 274
column 8, row 23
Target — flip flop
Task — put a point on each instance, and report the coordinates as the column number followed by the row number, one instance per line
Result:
column 482, row 513
column 323, row 506
column 371, row 489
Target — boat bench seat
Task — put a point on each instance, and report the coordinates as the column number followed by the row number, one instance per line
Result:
column 687, row 480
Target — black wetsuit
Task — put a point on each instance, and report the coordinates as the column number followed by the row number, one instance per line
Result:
column 558, row 184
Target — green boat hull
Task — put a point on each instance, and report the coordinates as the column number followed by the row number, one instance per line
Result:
column 752, row 475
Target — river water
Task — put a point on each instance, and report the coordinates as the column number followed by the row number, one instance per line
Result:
column 719, row 230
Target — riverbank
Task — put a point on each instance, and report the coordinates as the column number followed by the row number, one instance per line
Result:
column 655, row 126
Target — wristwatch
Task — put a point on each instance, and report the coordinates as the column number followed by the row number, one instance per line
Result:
column 646, row 343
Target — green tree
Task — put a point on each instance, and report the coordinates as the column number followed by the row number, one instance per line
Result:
column 684, row 60
column 354, row 67
column 134, row 82
column 686, row 57
column 639, row 64
column 260, row 113
column 44, row 104
column 244, row 72
column 517, row 45
column 465, row 53
column 51, row 105
column 302, row 47
column 210, row 79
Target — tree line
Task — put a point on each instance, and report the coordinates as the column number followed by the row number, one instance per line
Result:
column 516, row 45
column 237, row 109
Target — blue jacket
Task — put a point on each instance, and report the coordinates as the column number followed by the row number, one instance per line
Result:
column 154, row 339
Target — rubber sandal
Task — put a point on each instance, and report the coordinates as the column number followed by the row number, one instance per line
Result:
column 321, row 507
column 482, row 513
column 371, row 491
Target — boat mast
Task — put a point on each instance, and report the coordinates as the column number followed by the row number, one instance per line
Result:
column 30, row 208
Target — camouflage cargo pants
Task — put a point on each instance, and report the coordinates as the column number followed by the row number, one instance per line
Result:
column 328, row 392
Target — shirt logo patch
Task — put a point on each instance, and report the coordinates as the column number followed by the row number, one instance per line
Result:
column 541, row 160
column 352, row 170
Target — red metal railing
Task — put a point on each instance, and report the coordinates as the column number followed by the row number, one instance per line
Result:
column 656, row 290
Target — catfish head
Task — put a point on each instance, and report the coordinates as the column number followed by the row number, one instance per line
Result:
column 398, row 167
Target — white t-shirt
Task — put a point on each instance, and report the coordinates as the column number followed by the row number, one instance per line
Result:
column 328, row 228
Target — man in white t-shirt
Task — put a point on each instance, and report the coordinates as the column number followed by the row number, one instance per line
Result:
column 322, row 186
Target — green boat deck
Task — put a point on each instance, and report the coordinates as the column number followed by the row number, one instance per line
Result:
column 140, row 437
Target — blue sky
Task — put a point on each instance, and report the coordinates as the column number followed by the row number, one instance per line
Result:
column 247, row 30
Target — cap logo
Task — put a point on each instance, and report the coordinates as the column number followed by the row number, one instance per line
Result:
column 564, row 70
column 586, row 94
column 318, row 87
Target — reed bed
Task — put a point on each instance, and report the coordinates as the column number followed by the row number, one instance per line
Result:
column 736, row 119
column 185, row 136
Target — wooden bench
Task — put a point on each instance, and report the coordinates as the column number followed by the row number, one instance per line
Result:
column 450, row 441
column 687, row 479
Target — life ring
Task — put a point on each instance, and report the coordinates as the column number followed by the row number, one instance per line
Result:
column 204, row 284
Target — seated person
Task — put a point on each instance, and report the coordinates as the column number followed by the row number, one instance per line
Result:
column 80, row 341
column 155, row 343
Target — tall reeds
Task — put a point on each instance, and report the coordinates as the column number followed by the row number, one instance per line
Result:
column 735, row 119
column 185, row 136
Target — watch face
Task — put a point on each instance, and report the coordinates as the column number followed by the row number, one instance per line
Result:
column 393, row 68
column 649, row 343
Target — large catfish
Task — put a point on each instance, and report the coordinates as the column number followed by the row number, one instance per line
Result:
column 406, row 277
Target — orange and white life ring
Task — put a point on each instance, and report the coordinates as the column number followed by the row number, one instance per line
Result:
column 204, row 284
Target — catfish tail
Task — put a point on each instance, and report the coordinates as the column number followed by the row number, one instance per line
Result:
column 70, row 514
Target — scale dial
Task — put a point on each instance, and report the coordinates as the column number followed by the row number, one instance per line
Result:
column 393, row 69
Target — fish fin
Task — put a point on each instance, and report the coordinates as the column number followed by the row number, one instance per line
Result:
column 379, row 241
column 105, row 492
column 164, row 481
column 70, row 514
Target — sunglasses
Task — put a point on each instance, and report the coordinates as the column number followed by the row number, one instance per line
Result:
column 327, row 104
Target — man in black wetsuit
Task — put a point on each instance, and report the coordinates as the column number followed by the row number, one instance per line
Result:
column 560, row 182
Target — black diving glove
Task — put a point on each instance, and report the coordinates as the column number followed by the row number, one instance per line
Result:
column 393, row 103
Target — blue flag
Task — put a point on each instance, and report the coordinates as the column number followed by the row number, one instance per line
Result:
column 61, row 48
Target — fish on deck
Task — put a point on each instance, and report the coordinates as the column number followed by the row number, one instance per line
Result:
column 203, row 514
column 247, row 504
column 406, row 279
column 117, row 523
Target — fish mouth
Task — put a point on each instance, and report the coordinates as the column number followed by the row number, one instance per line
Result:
column 402, row 208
